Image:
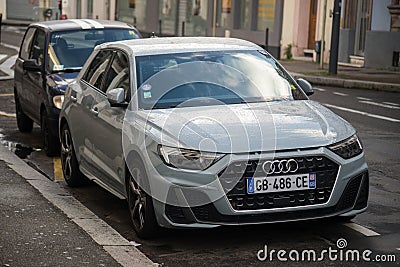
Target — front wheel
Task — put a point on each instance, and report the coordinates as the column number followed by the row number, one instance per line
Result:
column 140, row 203
column 70, row 167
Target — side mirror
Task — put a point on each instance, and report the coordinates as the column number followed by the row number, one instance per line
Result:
column 116, row 97
column 30, row 65
column 305, row 86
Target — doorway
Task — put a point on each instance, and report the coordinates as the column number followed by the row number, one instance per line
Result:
column 312, row 25
column 363, row 24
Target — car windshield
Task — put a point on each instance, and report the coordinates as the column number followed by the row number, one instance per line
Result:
column 69, row 50
column 212, row 78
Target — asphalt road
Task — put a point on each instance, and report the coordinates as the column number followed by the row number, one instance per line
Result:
column 374, row 114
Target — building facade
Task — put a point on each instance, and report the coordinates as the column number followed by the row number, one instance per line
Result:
column 246, row 19
column 370, row 33
column 29, row 10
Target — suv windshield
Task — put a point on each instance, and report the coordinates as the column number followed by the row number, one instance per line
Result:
column 212, row 78
column 69, row 50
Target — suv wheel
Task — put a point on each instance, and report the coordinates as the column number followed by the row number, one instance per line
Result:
column 51, row 144
column 140, row 203
column 70, row 167
column 25, row 124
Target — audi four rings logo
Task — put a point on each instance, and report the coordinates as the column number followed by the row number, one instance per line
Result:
column 280, row 166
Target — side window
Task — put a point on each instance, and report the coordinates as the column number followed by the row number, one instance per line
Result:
column 118, row 75
column 95, row 73
column 37, row 49
column 26, row 46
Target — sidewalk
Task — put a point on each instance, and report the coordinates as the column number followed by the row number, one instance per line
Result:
column 348, row 77
column 41, row 224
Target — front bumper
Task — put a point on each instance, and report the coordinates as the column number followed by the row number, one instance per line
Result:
column 343, row 193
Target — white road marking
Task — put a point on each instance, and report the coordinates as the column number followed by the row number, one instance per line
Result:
column 390, row 103
column 363, row 98
column 379, row 104
column 6, row 67
column 398, row 248
column 340, row 94
column 361, row 229
column 11, row 46
column 319, row 89
column 2, row 56
column 362, row 113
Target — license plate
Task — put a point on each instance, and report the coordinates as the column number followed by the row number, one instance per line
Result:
column 295, row 182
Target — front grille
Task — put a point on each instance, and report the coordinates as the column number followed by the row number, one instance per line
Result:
column 233, row 181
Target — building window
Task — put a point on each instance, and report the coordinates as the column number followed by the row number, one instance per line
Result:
column 132, row 12
column 169, row 16
column 196, row 18
column 224, row 13
column 245, row 14
column 79, row 9
column 90, row 9
column 266, row 14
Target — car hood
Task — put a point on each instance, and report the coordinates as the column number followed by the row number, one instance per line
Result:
column 61, row 80
column 244, row 128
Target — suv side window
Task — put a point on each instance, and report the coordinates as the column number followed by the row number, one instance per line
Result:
column 95, row 73
column 26, row 46
column 37, row 49
column 118, row 75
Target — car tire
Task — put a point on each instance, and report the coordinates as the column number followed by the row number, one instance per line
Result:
column 140, row 202
column 70, row 167
column 24, row 123
column 51, row 143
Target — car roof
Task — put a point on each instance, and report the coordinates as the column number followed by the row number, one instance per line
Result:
column 169, row 45
column 77, row 24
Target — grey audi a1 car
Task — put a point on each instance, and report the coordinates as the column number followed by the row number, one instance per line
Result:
column 203, row 132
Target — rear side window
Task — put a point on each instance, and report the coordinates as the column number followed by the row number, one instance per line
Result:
column 26, row 45
column 95, row 73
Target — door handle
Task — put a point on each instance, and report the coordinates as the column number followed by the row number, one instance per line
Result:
column 94, row 111
column 73, row 98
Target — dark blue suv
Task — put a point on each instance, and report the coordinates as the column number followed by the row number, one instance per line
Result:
column 52, row 54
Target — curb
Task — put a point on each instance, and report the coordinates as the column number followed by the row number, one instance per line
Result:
column 347, row 83
column 120, row 249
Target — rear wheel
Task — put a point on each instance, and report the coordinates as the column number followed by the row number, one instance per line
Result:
column 140, row 203
column 25, row 124
column 51, row 144
column 70, row 167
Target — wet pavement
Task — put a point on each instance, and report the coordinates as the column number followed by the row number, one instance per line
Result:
column 31, row 229
column 224, row 246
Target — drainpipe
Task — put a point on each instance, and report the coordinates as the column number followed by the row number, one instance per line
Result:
column 214, row 18
column 323, row 35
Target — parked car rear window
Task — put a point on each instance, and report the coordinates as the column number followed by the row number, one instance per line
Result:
column 70, row 49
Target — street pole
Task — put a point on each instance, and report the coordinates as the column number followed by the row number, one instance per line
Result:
column 333, row 59
column 323, row 35
column 214, row 26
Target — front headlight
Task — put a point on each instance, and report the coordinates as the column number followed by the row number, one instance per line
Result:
column 187, row 159
column 58, row 101
column 347, row 148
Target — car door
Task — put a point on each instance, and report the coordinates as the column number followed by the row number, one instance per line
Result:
column 33, row 82
column 107, row 136
column 19, row 72
column 81, row 116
